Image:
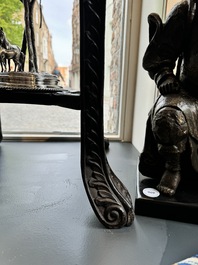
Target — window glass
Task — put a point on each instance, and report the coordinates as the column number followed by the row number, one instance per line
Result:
column 57, row 40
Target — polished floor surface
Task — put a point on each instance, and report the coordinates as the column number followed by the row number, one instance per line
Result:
column 46, row 219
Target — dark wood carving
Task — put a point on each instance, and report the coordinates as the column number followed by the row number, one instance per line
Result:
column 170, row 156
column 29, row 36
column 108, row 196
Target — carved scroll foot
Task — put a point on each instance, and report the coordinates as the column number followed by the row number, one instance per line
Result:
column 109, row 198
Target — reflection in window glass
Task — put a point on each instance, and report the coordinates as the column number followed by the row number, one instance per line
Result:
column 113, row 51
column 58, row 45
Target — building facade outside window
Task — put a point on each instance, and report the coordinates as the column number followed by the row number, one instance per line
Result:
column 60, row 119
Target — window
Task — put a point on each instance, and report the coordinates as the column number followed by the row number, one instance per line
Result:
column 64, row 50
column 37, row 16
column 37, row 39
column 45, row 48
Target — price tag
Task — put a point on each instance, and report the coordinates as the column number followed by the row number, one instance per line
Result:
column 150, row 192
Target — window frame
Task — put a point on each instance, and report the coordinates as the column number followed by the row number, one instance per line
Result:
column 130, row 41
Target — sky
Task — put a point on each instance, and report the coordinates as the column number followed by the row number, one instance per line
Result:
column 58, row 15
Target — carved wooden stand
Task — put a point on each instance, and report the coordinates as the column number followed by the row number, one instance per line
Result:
column 109, row 198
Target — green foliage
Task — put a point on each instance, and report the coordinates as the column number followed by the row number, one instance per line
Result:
column 11, row 15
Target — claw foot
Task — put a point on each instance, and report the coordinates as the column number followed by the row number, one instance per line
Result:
column 169, row 182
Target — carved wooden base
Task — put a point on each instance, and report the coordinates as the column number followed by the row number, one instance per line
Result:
column 182, row 207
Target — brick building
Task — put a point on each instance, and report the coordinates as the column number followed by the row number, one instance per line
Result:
column 114, row 22
column 43, row 42
column 75, row 64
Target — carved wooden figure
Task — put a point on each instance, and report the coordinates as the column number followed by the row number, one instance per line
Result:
column 9, row 51
column 29, row 35
column 171, row 145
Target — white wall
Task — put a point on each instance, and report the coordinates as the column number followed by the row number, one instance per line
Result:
column 145, row 87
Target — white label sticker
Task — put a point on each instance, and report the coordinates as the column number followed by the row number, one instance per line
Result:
column 150, row 192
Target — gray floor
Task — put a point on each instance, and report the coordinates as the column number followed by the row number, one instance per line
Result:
column 46, row 219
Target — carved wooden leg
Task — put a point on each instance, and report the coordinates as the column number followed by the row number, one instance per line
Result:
column 28, row 34
column 32, row 3
column 108, row 196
